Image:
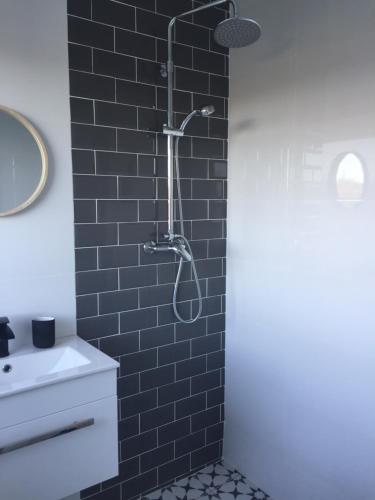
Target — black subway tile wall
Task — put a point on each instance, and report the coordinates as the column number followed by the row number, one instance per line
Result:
column 171, row 375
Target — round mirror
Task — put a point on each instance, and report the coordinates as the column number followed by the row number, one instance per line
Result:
column 23, row 162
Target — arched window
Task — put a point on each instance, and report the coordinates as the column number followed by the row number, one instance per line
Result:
column 350, row 178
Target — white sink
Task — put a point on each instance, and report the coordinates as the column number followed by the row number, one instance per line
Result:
column 30, row 368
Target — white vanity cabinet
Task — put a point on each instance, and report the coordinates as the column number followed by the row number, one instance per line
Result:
column 58, row 430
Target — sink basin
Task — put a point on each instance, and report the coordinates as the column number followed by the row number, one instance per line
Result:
column 71, row 357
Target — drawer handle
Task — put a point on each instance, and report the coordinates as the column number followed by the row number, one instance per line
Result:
column 75, row 426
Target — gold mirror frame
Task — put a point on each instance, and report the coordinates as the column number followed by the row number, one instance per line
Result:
column 44, row 157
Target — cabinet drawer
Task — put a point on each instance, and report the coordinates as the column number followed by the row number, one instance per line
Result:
column 55, row 456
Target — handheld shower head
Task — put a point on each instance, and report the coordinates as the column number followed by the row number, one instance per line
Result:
column 207, row 110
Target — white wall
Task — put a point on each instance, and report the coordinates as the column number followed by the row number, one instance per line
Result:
column 300, row 398
column 36, row 249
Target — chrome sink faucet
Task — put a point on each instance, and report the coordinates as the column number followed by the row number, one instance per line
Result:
column 6, row 334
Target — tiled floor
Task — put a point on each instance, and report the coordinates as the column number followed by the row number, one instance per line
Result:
column 215, row 482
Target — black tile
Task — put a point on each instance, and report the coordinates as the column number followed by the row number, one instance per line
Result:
column 172, row 9
column 137, row 320
column 197, row 126
column 90, row 137
column 209, row 61
column 157, row 377
column 190, row 367
column 207, row 148
column 117, row 210
column 137, row 362
column 199, row 248
column 166, row 313
column 210, row 17
column 209, row 268
column 191, row 405
column 88, row 492
column 196, row 168
column 80, row 57
column 109, row 494
column 205, row 382
column 193, row 81
column 157, row 417
column 132, row 141
column 96, row 281
column 216, row 360
column 171, row 470
column 216, row 323
column 192, row 330
column 153, row 458
column 173, row 431
column 86, row 259
column 190, row 443
column 81, row 8
column 155, row 295
column 206, row 344
column 139, row 484
column 90, row 33
column 83, row 161
column 205, row 455
column 115, row 115
column 215, row 397
column 149, row 166
column 118, row 256
column 174, row 352
column 117, row 65
column 135, row 44
column 207, row 189
column 218, row 209
column 152, row 24
column 205, row 418
column 210, row 305
column 206, row 229
column 90, row 235
column 81, row 110
column 136, row 187
column 218, row 169
column 91, row 186
column 143, row 4
column 139, row 403
column 133, row 277
column 217, row 248
column 151, row 119
column 215, row 433
column 138, row 444
column 155, row 337
column 124, row 300
column 137, row 232
column 84, row 211
column 218, row 128
column 188, row 290
column 87, row 305
column 190, row 34
column 116, row 163
column 153, row 210
column 216, row 286
column 136, row 94
column 113, row 13
column 97, row 327
column 91, row 86
column 219, row 85
column 128, row 427
column 150, row 72
column 126, row 386
column 173, row 392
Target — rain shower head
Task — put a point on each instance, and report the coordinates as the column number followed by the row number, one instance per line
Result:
column 236, row 32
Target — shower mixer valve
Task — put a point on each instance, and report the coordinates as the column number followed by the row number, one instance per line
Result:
column 176, row 245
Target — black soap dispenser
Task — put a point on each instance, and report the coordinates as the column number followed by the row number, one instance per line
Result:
column 6, row 334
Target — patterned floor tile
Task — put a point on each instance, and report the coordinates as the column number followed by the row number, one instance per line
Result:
column 215, row 482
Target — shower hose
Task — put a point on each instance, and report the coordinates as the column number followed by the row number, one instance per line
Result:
column 185, row 240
